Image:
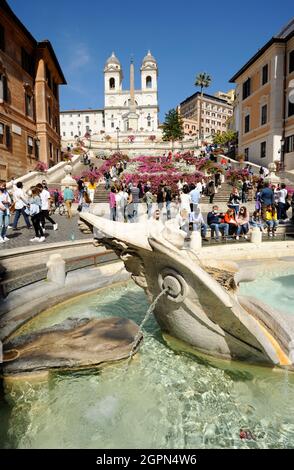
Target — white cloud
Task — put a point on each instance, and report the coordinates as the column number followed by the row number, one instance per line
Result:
column 79, row 57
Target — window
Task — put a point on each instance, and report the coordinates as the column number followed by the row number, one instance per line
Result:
column 263, row 150
column 207, row 130
column 3, row 88
column 112, row 83
column 1, row 133
column 49, row 114
column 264, row 78
column 291, row 61
column 87, row 128
column 247, row 124
column 149, row 123
column 264, row 114
column 148, row 82
column 213, row 123
column 37, row 147
column 87, row 119
column 8, row 137
column 193, row 128
column 71, row 123
column 186, row 126
column 208, row 121
column 212, row 131
column 71, row 133
column 27, row 62
column 246, row 88
column 290, row 108
column 289, row 143
column 213, row 114
column 63, row 134
column 246, row 154
column 2, row 38
column 29, row 105
column 112, row 124
column 30, row 145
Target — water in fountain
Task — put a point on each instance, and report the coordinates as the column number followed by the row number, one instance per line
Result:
column 145, row 319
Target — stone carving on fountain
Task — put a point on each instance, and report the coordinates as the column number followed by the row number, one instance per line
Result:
column 202, row 307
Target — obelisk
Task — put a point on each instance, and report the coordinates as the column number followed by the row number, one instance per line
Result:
column 132, row 116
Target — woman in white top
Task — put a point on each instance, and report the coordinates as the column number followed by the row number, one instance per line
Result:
column 185, row 199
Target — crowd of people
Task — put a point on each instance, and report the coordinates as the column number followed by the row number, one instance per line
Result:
column 32, row 205
column 271, row 206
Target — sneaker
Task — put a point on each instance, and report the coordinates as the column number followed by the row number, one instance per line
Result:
column 245, row 236
column 44, row 230
column 1, row 240
column 217, row 239
column 237, row 237
column 9, row 226
column 41, row 239
column 55, row 226
column 36, row 239
column 270, row 234
column 6, row 239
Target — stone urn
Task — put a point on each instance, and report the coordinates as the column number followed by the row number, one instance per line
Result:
column 68, row 179
column 272, row 177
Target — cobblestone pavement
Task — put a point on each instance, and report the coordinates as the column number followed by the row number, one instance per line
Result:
column 67, row 230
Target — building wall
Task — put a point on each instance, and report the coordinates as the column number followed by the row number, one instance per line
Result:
column 214, row 114
column 16, row 155
column 77, row 123
column 273, row 95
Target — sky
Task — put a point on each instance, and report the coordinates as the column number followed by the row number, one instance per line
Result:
column 186, row 37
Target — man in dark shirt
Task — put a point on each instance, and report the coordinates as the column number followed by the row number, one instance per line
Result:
column 266, row 198
column 214, row 220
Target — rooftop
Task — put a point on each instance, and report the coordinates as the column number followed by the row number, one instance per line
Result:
column 205, row 95
column 286, row 33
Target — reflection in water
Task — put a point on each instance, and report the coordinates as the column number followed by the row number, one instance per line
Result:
column 169, row 400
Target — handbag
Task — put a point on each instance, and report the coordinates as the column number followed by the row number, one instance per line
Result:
column 79, row 208
column 12, row 208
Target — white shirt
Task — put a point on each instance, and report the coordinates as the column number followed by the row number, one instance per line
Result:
column 45, row 196
column 282, row 194
column 4, row 200
column 185, row 202
column 18, row 197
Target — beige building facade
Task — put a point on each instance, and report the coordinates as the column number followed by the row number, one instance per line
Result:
column 215, row 113
column 30, row 76
column 264, row 106
column 228, row 96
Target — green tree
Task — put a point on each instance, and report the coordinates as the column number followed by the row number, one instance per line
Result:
column 225, row 138
column 203, row 80
column 173, row 126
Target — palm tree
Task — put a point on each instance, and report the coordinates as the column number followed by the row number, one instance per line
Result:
column 203, row 80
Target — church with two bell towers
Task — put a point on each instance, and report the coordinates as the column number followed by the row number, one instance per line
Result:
column 125, row 112
column 131, row 110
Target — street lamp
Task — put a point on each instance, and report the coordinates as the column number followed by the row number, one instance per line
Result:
column 117, row 131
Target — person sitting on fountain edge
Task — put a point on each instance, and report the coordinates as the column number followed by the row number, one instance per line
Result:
column 215, row 222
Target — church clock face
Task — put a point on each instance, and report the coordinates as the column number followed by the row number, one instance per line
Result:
column 112, row 100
